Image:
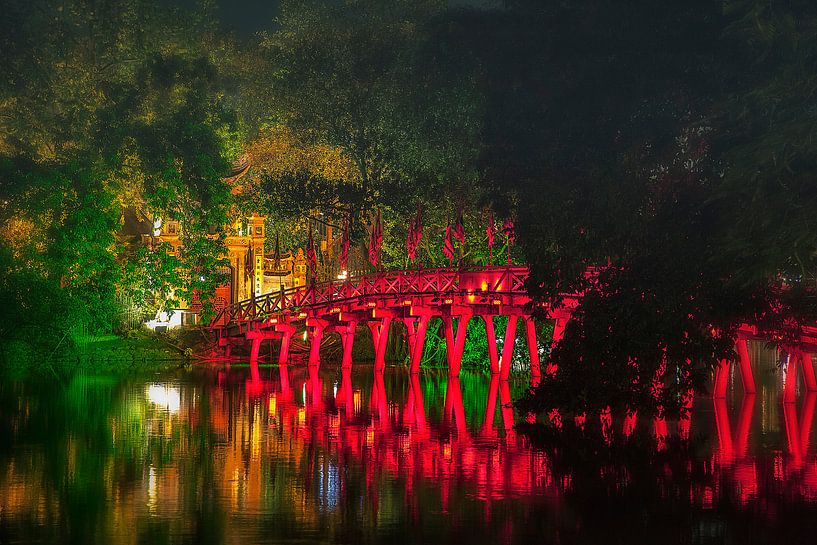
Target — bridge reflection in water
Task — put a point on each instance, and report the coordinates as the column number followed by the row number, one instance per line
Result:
column 297, row 453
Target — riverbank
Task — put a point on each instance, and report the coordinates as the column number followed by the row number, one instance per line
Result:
column 141, row 350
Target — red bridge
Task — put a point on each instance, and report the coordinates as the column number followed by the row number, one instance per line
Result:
column 453, row 295
column 378, row 300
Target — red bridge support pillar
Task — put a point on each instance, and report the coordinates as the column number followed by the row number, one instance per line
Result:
column 533, row 351
column 287, row 331
column 745, row 366
column 455, row 344
column 254, row 349
column 347, row 339
column 558, row 333
column 417, row 345
column 801, row 358
column 490, row 333
column 315, row 344
column 380, row 336
column 721, row 379
column 507, row 348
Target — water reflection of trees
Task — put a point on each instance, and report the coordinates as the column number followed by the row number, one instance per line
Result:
column 352, row 457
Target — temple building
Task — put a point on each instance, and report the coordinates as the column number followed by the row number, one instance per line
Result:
column 251, row 270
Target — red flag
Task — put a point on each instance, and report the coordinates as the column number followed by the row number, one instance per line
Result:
column 459, row 228
column 343, row 257
column 415, row 234
column 311, row 257
column 448, row 246
column 507, row 228
column 376, row 241
column 411, row 249
column 490, row 232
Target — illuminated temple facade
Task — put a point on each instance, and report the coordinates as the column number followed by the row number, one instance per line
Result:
column 252, row 271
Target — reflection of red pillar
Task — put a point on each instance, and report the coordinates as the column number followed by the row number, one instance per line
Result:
column 793, row 433
column 606, row 420
column 807, row 420
column 379, row 403
column 346, row 395
column 506, row 407
column 418, row 407
column 315, row 387
column 661, row 433
column 286, row 389
column 490, row 406
column 533, row 350
column 507, row 348
column 490, row 333
column 454, row 406
column 744, row 425
column 725, row 445
column 733, row 446
column 798, row 431
column 745, row 366
column 630, row 420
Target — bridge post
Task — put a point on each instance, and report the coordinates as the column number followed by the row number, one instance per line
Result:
column 745, row 366
column 315, row 346
column 507, row 348
column 287, row 331
column 254, row 349
column 380, row 336
column 419, row 343
column 455, row 345
column 533, row 351
column 721, row 379
column 808, row 371
column 490, row 333
column 558, row 334
column 347, row 339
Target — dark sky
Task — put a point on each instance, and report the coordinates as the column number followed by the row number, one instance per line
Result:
column 246, row 17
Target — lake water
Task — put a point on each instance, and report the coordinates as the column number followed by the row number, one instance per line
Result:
column 213, row 456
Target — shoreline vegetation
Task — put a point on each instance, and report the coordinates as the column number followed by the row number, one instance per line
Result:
column 145, row 350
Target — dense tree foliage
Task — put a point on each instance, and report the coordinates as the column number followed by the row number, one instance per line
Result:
column 103, row 107
column 666, row 150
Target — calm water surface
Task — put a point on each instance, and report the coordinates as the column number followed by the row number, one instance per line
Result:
column 212, row 456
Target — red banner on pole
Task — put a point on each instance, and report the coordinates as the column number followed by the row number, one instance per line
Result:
column 459, row 228
column 510, row 235
column 415, row 234
column 448, row 246
column 343, row 257
column 375, row 241
column 311, row 257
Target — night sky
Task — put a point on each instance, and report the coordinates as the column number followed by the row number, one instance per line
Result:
column 246, row 17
